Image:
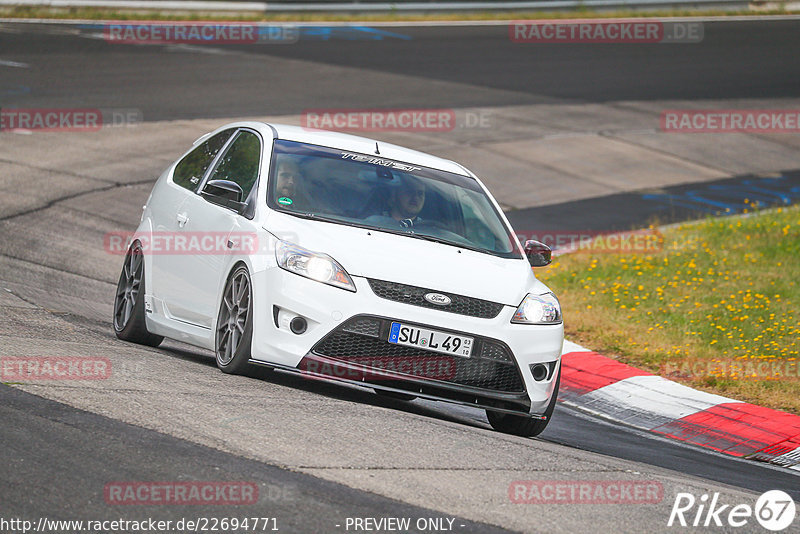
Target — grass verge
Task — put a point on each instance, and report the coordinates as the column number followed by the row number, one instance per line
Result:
column 716, row 308
column 35, row 12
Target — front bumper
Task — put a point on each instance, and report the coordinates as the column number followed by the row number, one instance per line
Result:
column 347, row 334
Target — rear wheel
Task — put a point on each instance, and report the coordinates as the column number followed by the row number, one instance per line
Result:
column 235, row 324
column 519, row 425
column 129, row 321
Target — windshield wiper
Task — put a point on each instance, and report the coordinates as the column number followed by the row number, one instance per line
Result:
column 435, row 239
column 316, row 217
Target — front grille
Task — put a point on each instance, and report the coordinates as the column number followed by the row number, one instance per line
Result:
column 495, row 351
column 365, row 326
column 416, row 297
column 362, row 341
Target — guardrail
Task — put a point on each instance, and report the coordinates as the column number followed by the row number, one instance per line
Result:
column 377, row 7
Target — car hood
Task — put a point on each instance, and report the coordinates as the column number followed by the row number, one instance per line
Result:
column 396, row 258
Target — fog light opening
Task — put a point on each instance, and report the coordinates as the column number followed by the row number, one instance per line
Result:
column 298, row 325
column 539, row 371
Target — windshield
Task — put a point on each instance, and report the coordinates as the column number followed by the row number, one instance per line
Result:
column 374, row 192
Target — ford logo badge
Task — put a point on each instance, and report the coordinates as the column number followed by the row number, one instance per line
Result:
column 438, row 299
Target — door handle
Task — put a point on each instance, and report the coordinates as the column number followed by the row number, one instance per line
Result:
column 182, row 219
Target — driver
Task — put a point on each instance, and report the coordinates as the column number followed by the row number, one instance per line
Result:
column 407, row 201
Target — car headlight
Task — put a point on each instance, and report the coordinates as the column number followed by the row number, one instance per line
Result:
column 319, row 267
column 538, row 309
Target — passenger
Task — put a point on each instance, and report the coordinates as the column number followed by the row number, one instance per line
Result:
column 287, row 184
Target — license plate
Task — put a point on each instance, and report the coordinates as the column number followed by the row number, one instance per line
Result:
column 412, row 336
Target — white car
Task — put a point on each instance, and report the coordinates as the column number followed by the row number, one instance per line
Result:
column 347, row 259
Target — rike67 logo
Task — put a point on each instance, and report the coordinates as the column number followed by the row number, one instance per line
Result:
column 774, row 510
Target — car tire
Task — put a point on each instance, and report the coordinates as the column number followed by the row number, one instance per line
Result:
column 519, row 425
column 129, row 315
column 234, row 332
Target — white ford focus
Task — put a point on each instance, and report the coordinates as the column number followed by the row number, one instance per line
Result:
column 346, row 259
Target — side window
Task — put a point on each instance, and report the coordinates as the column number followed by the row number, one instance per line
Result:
column 191, row 169
column 240, row 163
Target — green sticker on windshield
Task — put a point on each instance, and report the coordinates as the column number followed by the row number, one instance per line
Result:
column 285, row 201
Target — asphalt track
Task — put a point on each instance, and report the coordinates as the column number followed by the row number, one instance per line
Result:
column 327, row 452
column 36, row 477
column 479, row 64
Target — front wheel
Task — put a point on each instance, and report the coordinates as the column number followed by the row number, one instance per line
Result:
column 519, row 425
column 235, row 324
column 129, row 321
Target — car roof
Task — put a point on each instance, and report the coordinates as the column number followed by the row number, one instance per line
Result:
column 364, row 145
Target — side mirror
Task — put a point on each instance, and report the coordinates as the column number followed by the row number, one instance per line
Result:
column 538, row 253
column 224, row 193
